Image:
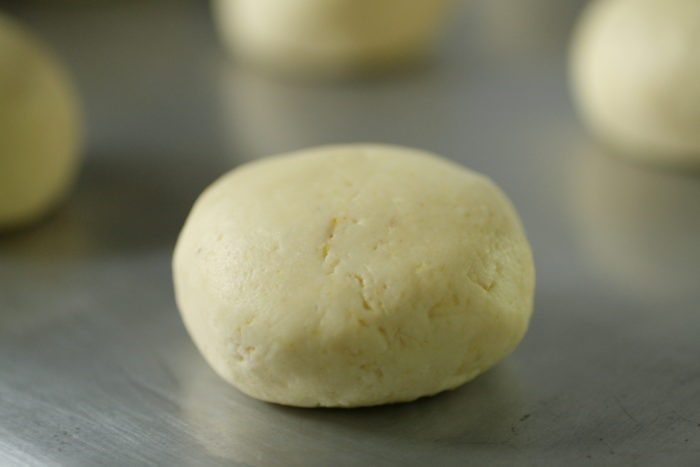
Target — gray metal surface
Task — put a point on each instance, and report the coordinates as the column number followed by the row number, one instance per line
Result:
column 95, row 365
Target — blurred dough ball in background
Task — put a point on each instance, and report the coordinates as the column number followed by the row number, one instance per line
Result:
column 638, row 227
column 636, row 72
column 40, row 128
column 330, row 36
column 353, row 275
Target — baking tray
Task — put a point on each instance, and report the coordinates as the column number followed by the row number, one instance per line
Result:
column 96, row 367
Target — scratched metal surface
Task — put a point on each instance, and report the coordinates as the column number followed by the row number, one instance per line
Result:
column 96, row 368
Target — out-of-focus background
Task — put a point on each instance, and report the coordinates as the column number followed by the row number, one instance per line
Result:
column 96, row 367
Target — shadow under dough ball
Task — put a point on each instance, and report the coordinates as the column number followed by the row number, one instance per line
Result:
column 40, row 127
column 353, row 276
column 636, row 76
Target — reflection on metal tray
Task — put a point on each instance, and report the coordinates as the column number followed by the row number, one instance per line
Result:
column 96, row 368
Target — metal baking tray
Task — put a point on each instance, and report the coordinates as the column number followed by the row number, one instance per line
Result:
column 96, row 367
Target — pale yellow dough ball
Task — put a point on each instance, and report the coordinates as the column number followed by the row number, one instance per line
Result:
column 40, row 128
column 352, row 276
column 636, row 72
column 329, row 36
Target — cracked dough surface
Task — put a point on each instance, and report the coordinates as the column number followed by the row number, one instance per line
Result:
column 39, row 127
column 636, row 71
column 353, row 275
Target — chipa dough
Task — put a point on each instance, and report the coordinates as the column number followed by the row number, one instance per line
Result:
column 39, row 127
column 322, row 36
column 352, row 276
column 636, row 72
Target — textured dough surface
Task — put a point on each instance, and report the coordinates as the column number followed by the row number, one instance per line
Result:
column 636, row 67
column 39, row 127
column 329, row 35
column 353, row 275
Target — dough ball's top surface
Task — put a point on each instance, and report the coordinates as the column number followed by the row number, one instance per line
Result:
column 636, row 71
column 353, row 275
column 39, row 127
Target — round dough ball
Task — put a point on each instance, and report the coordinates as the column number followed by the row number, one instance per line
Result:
column 636, row 70
column 329, row 35
column 353, row 275
column 39, row 127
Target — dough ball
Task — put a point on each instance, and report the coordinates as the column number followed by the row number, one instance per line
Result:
column 353, row 275
column 636, row 70
column 39, row 127
column 329, row 35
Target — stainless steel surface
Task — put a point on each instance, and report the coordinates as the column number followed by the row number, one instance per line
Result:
column 96, row 368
